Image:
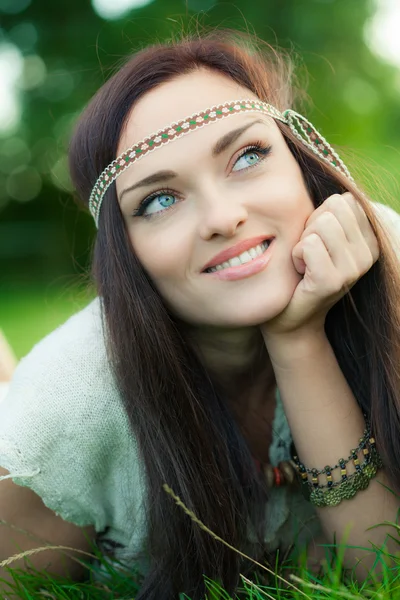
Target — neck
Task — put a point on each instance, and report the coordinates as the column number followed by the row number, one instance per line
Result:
column 238, row 361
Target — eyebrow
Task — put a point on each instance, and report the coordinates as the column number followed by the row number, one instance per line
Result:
column 221, row 145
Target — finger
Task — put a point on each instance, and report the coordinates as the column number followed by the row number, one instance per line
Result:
column 364, row 224
column 339, row 206
column 321, row 273
column 355, row 225
column 351, row 260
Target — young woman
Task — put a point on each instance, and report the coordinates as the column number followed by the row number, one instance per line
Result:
column 247, row 312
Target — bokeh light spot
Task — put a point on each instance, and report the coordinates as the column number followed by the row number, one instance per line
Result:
column 24, row 184
column 360, row 96
column 117, row 8
column 43, row 153
column 60, row 175
column 11, row 64
column 381, row 33
column 14, row 153
column 24, row 35
column 58, row 85
column 13, row 7
column 34, row 72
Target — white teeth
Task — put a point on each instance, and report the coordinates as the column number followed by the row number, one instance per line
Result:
column 243, row 258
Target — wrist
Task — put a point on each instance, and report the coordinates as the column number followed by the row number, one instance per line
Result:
column 299, row 345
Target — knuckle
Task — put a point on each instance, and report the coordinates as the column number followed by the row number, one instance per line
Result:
column 350, row 200
column 332, row 201
column 354, row 273
column 348, row 197
column 311, row 240
column 376, row 251
column 327, row 217
column 369, row 260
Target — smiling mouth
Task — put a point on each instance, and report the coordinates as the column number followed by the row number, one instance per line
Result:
column 243, row 258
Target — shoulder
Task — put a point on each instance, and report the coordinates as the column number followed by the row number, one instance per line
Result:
column 63, row 426
column 82, row 333
column 72, row 357
column 65, row 378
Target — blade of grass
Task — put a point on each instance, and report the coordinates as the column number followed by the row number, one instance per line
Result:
column 323, row 588
column 256, row 587
column 216, row 537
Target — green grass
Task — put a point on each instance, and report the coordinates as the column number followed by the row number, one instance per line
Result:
column 283, row 581
column 27, row 314
column 289, row 581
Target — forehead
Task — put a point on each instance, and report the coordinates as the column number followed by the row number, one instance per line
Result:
column 176, row 99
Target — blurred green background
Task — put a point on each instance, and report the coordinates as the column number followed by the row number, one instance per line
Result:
column 53, row 57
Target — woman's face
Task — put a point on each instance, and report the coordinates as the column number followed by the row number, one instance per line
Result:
column 252, row 188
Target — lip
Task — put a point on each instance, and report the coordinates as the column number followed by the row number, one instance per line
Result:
column 246, row 269
column 235, row 250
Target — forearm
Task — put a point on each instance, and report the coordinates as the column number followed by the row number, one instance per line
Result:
column 326, row 423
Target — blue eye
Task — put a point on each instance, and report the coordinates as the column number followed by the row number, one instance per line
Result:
column 248, row 159
column 164, row 200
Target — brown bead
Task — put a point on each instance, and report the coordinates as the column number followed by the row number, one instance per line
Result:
column 269, row 475
column 288, row 471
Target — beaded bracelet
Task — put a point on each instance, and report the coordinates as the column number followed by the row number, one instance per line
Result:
column 334, row 492
column 347, row 489
column 314, row 483
column 369, row 446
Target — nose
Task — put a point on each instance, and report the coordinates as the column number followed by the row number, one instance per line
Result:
column 220, row 213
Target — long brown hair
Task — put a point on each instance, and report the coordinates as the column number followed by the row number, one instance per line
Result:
column 187, row 435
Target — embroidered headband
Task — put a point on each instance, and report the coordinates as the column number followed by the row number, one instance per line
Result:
column 301, row 128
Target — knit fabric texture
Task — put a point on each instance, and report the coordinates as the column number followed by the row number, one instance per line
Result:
column 64, row 433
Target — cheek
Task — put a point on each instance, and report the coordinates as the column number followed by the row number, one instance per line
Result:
column 288, row 203
column 160, row 254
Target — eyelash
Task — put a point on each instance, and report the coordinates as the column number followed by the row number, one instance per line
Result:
column 257, row 147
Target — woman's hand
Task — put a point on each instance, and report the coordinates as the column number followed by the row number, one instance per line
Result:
column 337, row 247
